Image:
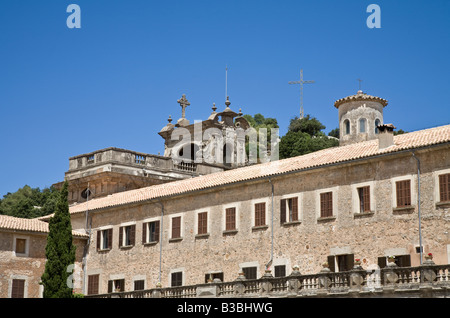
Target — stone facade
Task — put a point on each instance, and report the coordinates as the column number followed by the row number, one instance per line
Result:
column 29, row 265
column 307, row 242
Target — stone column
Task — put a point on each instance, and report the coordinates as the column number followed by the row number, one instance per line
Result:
column 356, row 277
column 294, row 282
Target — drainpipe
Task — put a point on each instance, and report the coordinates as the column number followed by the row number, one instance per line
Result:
column 271, row 251
column 160, row 240
column 86, row 248
column 418, row 205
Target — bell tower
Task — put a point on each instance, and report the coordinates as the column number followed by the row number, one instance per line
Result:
column 359, row 116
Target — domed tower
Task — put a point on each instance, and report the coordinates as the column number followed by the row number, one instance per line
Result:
column 359, row 116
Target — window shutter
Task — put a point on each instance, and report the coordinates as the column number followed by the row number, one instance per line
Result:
column 18, row 288
column 283, row 211
column 366, row 193
column 349, row 261
column 144, row 233
column 295, row 209
column 176, row 227
column 132, row 234
column 99, row 234
column 326, row 204
column 403, row 190
column 120, row 236
column 330, row 260
column 110, row 234
column 110, row 286
column 260, row 214
column 156, row 236
column 444, row 187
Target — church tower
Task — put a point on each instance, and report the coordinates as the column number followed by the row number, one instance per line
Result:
column 359, row 117
column 218, row 140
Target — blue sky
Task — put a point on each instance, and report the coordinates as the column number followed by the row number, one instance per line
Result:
column 115, row 81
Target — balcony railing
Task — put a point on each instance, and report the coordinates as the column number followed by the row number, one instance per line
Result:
column 428, row 280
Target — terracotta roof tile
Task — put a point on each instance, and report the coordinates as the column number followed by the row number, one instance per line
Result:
column 320, row 158
column 30, row 225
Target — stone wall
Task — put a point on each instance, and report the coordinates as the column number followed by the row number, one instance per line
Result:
column 29, row 266
column 307, row 243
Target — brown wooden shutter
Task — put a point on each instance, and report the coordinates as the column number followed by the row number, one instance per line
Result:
column 157, row 229
column 295, row 209
column 283, row 211
column 110, row 286
column 110, row 238
column 176, row 227
column 99, row 235
column 366, row 193
column 326, row 204
column 93, row 284
column 230, row 219
column 121, row 236
column 260, row 214
column 132, row 234
column 403, row 190
column 444, row 187
column 330, row 260
column 364, row 199
column 144, row 233
column 18, row 288
column 202, row 223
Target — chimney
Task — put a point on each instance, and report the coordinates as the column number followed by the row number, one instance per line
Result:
column 385, row 136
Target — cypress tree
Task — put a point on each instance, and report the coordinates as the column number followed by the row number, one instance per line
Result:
column 59, row 251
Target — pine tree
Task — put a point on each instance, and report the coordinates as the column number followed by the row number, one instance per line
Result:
column 59, row 251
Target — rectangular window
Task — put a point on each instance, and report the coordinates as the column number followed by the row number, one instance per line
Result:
column 403, row 191
column 260, row 214
column 202, row 222
column 399, row 260
column 177, row 279
column 249, row 272
column 289, row 210
column 280, row 270
column 364, row 199
column 139, row 284
column 127, row 235
column 150, row 232
column 93, row 281
column 18, row 288
column 117, row 285
column 326, row 204
column 230, row 219
column 341, row 263
column 213, row 276
column 104, row 239
column 21, row 245
column 444, row 187
column 176, row 227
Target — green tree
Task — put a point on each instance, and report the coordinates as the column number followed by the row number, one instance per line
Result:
column 258, row 121
column 304, row 136
column 59, row 251
column 29, row 202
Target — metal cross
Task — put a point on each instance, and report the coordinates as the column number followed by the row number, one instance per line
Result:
column 184, row 103
column 359, row 80
column 301, row 82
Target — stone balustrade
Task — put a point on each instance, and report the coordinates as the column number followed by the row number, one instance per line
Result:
column 428, row 280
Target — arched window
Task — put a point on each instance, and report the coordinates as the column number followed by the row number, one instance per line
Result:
column 347, row 126
column 188, row 151
column 377, row 123
column 362, row 125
